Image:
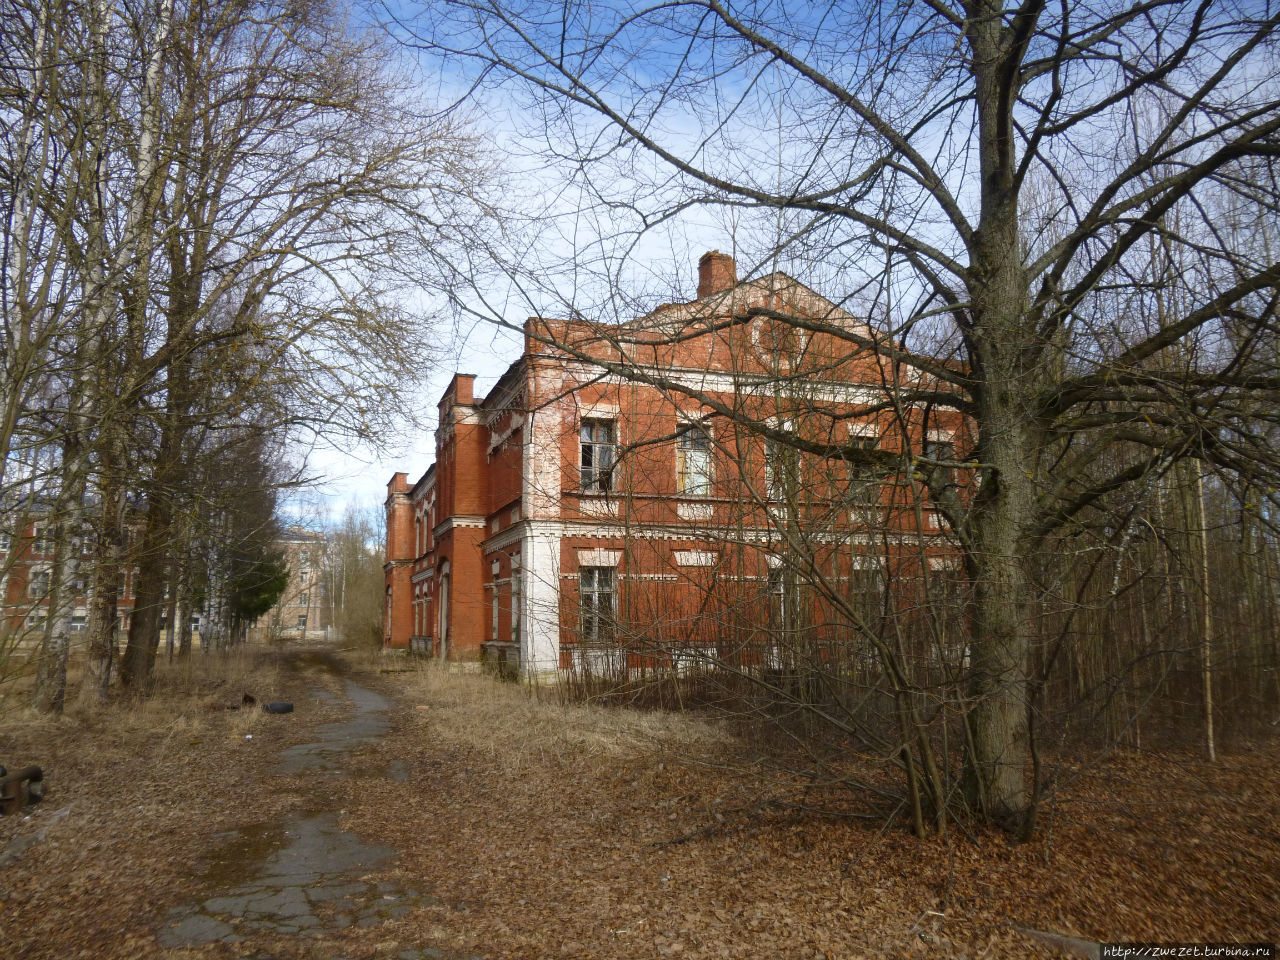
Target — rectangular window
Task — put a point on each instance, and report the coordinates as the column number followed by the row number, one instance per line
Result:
column 5, row 541
column 304, row 558
column 939, row 450
column 599, row 439
column 781, row 470
column 302, row 621
column 866, row 587
column 305, row 599
column 40, row 583
column 777, row 598
column 493, row 626
column 43, row 541
column 515, row 599
column 303, row 576
column 596, row 596
column 693, row 461
column 864, row 485
column 77, row 624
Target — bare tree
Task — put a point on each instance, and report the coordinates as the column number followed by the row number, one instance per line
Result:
column 220, row 218
column 353, row 565
column 981, row 180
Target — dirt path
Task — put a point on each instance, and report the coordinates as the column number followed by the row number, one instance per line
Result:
column 307, row 875
column 205, row 840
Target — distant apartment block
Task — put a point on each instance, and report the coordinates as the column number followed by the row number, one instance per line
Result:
column 302, row 615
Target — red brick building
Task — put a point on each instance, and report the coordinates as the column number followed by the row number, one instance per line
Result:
column 634, row 495
column 26, row 582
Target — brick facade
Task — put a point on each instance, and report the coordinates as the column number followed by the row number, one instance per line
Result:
column 26, row 567
column 624, row 496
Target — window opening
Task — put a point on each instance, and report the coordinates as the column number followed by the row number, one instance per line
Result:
column 599, row 438
column 693, row 461
column 596, row 596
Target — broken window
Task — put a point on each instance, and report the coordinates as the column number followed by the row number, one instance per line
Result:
column 781, row 470
column 939, row 451
column 864, row 485
column 596, row 599
column 599, row 438
column 693, row 461
column 515, row 599
column 866, row 587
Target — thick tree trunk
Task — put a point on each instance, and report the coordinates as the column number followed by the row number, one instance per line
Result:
column 104, row 614
column 995, row 775
column 184, row 609
column 104, row 620
column 50, row 693
column 1005, row 352
column 148, row 597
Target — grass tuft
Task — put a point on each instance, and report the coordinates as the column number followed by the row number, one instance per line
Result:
column 519, row 725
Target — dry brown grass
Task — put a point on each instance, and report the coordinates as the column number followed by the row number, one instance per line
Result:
column 522, row 725
column 186, row 700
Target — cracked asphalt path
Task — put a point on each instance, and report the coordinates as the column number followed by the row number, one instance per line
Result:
column 305, row 877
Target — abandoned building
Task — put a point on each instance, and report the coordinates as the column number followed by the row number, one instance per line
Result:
column 631, row 496
column 26, row 582
column 302, row 613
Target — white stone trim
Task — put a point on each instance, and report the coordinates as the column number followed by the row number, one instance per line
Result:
column 460, row 521
column 539, row 599
column 498, row 439
column 863, row 429
column 541, row 456
column 599, row 558
column 695, row 558
column 716, row 381
column 512, row 534
column 687, row 510
column 598, row 506
column 763, row 535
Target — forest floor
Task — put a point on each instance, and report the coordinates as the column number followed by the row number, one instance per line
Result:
column 412, row 813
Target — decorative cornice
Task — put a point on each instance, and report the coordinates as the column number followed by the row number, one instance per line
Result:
column 462, row 521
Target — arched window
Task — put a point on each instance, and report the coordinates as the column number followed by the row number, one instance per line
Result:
column 442, row 610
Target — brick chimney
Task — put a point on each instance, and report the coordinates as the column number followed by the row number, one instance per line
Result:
column 716, row 272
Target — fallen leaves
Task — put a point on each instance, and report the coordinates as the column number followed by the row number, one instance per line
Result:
column 528, row 846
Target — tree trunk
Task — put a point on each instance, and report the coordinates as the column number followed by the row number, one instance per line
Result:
column 104, row 613
column 995, row 775
column 148, row 596
column 184, row 609
column 1004, row 350
column 50, row 692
